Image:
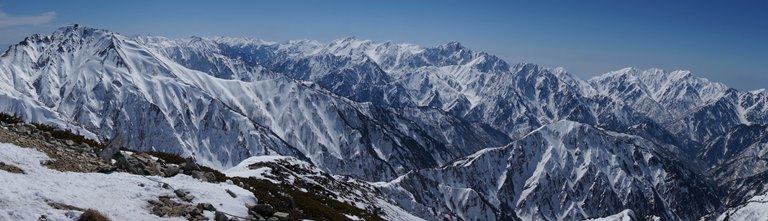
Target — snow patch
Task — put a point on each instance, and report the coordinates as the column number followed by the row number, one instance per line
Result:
column 117, row 195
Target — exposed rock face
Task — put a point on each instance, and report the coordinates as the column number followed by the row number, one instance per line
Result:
column 74, row 157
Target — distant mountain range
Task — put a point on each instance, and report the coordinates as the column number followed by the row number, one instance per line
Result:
column 445, row 133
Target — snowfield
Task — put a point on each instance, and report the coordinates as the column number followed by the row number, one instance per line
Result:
column 626, row 215
column 120, row 196
column 755, row 209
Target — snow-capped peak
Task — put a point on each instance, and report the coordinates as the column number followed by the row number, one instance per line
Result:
column 759, row 91
column 78, row 32
column 674, row 92
column 452, row 46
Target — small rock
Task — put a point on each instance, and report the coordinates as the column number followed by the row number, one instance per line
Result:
column 171, row 170
column 181, row 193
column 219, row 216
column 190, row 165
column 69, row 142
column 20, row 129
column 47, row 136
column 273, row 219
column 255, row 216
column 42, row 218
column 141, row 184
column 192, row 210
column 232, row 194
column 189, row 198
column 30, row 127
column 121, row 162
column 210, row 176
column 281, row 216
column 198, row 175
column 206, row 206
column 165, row 186
column 72, row 215
column 263, row 209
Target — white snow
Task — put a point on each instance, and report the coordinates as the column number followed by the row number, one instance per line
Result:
column 755, row 209
column 626, row 215
column 242, row 170
column 117, row 195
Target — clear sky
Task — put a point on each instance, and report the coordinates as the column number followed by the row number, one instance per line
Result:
column 725, row 41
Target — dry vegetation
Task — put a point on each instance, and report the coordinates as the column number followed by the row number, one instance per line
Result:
column 92, row 215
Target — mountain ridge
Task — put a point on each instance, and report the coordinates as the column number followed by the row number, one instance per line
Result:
column 400, row 116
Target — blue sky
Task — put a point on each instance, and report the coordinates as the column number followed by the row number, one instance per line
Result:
column 725, row 41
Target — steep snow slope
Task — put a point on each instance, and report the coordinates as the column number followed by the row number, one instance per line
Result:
column 722, row 115
column 746, row 163
column 755, row 209
column 449, row 77
column 655, row 92
column 109, row 84
column 473, row 85
column 733, row 142
column 119, row 196
column 565, row 170
column 106, row 84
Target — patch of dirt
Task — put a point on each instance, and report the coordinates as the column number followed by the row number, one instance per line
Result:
column 93, row 215
column 11, row 168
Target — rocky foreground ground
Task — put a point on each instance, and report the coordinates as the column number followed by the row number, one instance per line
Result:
column 67, row 152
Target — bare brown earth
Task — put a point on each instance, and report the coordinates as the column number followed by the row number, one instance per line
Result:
column 10, row 168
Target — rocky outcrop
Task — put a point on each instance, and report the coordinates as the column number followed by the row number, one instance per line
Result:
column 65, row 154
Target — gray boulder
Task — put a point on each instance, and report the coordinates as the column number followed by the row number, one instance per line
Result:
column 263, row 209
column 171, row 170
column 219, row 216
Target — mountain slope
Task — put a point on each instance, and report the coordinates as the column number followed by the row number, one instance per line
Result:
column 109, row 84
column 565, row 170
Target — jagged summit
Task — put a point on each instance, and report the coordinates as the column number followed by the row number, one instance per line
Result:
column 73, row 36
column 453, row 46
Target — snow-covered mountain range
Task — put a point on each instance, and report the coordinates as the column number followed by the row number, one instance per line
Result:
column 444, row 132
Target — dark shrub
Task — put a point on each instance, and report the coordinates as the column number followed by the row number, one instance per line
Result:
column 68, row 135
column 9, row 119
